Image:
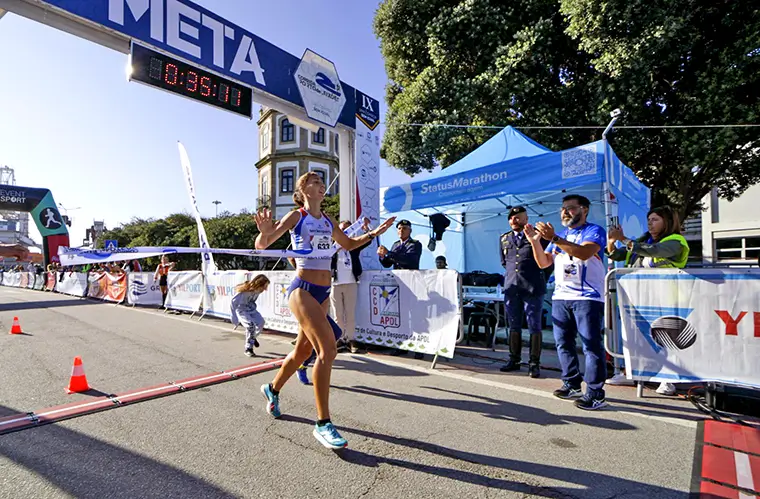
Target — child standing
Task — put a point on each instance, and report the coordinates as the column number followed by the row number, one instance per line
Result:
column 243, row 310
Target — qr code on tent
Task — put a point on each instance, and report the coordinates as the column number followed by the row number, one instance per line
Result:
column 579, row 161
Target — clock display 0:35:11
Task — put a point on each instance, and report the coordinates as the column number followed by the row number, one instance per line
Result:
column 193, row 83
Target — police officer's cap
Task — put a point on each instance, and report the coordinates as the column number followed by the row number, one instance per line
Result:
column 515, row 210
column 404, row 223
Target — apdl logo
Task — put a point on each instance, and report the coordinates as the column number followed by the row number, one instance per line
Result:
column 664, row 327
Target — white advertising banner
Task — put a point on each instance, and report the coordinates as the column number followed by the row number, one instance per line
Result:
column 415, row 310
column 273, row 304
column 185, row 291
column 142, row 289
column 39, row 282
column 72, row 283
column 368, row 171
column 12, row 279
column 207, row 258
column 694, row 326
column 220, row 290
column 29, row 279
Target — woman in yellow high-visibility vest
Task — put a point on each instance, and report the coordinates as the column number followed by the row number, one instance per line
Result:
column 662, row 246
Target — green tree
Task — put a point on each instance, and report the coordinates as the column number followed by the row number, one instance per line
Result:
column 569, row 62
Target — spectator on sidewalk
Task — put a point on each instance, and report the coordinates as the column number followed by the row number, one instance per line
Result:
column 346, row 269
column 578, row 300
column 662, row 246
column 162, row 273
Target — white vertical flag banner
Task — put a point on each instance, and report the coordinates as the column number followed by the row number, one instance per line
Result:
column 208, row 259
column 368, row 171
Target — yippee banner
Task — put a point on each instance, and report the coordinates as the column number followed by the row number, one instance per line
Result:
column 273, row 303
column 698, row 325
column 116, row 287
column 220, row 290
column 185, row 290
column 142, row 289
column 415, row 310
column 50, row 281
column 71, row 283
column 96, row 286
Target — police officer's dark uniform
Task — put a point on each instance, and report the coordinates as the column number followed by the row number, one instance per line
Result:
column 524, row 290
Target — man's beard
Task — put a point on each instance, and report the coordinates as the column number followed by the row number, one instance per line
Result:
column 572, row 221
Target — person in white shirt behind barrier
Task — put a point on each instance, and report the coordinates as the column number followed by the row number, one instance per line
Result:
column 310, row 230
column 661, row 247
column 243, row 310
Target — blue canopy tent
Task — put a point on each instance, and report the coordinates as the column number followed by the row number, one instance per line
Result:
column 508, row 170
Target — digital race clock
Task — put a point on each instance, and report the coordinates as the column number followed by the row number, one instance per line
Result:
column 167, row 73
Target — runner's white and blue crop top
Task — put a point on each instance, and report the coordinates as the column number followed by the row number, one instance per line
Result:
column 312, row 233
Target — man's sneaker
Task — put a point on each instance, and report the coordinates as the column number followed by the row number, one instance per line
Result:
column 249, row 352
column 328, row 436
column 666, row 389
column 302, row 376
column 590, row 403
column 568, row 392
column 273, row 401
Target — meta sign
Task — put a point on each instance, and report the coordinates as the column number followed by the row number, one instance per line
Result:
column 191, row 33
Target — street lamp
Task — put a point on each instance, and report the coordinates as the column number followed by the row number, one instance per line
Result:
column 217, row 203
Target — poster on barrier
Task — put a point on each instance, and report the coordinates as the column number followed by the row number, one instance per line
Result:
column 96, row 285
column 12, row 279
column 694, row 326
column 115, row 287
column 30, row 277
column 24, row 279
column 185, row 291
column 50, row 281
column 273, row 304
column 415, row 310
column 142, row 289
column 72, row 283
column 220, row 290
column 39, row 282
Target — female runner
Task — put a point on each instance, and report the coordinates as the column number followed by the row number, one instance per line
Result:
column 310, row 229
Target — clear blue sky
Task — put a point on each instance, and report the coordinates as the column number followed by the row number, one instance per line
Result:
column 71, row 122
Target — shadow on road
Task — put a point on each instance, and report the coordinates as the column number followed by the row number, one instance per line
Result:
column 491, row 408
column 32, row 305
column 367, row 365
column 83, row 466
column 587, row 479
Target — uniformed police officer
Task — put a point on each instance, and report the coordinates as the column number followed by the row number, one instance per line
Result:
column 405, row 253
column 524, row 290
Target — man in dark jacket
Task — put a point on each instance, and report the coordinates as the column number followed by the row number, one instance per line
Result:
column 405, row 253
column 524, row 290
column 347, row 268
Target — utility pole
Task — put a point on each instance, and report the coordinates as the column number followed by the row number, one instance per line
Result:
column 217, row 203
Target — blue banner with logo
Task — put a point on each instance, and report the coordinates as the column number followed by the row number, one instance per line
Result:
column 187, row 30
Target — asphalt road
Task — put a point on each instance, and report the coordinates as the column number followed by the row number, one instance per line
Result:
column 462, row 430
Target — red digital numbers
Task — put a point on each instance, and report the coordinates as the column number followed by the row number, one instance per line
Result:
column 192, row 81
column 224, row 93
column 205, row 86
column 171, row 74
column 236, row 96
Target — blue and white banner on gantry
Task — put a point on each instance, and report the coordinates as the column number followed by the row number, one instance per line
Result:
column 692, row 326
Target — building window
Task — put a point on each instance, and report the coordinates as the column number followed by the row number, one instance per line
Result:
column 336, row 144
column 737, row 248
column 321, row 174
column 287, row 180
column 319, row 137
column 264, row 186
column 265, row 137
column 287, row 131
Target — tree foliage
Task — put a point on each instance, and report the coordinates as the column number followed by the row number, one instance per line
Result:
column 570, row 62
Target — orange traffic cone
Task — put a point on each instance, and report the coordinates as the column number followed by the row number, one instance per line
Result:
column 78, row 381
column 16, row 327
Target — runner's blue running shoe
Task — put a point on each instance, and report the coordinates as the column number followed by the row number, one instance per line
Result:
column 273, row 401
column 328, row 436
column 302, row 376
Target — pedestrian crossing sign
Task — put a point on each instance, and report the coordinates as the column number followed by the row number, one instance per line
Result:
column 111, row 244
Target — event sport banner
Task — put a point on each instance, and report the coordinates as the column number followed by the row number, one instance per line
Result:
column 207, row 258
column 220, row 288
column 143, row 289
column 76, row 256
column 415, row 310
column 368, row 171
column 50, row 281
column 273, row 303
column 698, row 325
column 71, row 283
column 185, row 291
column 107, row 286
